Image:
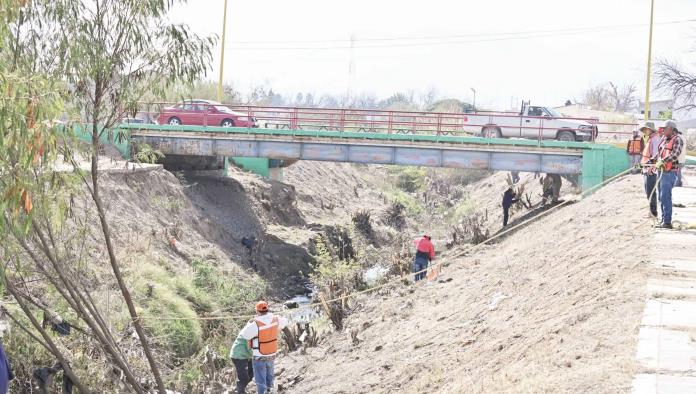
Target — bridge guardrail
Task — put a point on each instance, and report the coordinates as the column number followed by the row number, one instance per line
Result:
column 388, row 121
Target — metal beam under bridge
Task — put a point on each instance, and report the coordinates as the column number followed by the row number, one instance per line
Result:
column 452, row 152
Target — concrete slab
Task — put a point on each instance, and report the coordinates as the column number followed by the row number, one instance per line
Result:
column 685, row 287
column 663, row 384
column 679, row 265
column 684, row 195
column 669, row 313
column 662, row 349
column 671, row 237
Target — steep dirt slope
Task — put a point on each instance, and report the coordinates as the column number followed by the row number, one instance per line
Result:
column 328, row 193
column 554, row 307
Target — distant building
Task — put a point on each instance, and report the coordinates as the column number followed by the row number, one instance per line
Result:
column 658, row 108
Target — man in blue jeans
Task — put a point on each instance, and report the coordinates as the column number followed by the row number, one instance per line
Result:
column 670, row 148
column 263, row 331
column 425, row 252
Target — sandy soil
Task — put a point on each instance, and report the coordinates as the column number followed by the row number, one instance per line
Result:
column 552, row 308
column 329, row 193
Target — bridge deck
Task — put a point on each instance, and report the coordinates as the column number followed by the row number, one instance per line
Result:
column 376, row 148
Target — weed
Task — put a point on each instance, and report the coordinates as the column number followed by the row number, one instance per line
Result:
column 409, row 179
column 334, row 277
column 363, row 223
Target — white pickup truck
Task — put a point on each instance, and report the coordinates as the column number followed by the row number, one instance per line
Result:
column 532, row 122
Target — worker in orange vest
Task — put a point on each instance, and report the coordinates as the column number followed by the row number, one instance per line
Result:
column 634, row 148
column 651, row 143
column 425, row 252
column 262, row 332
column 671, row 147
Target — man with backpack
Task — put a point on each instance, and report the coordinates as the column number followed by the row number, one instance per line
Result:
column 263, row 333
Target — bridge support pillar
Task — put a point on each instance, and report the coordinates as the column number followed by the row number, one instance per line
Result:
column 601, row 164
column 267, row 168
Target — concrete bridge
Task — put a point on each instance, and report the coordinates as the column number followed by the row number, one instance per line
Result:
column 258, row 149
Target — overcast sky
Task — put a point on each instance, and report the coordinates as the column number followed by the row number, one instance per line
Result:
column 544, row 50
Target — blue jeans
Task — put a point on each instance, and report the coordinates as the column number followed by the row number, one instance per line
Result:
column 649, row 184
column 679, row 176
column 669, row 178
column 263, row 375
column 419, row 264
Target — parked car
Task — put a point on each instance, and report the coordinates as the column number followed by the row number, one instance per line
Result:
column 204, row 113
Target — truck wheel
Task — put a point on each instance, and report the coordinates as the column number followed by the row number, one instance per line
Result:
column 565, row 135
column 491, row 132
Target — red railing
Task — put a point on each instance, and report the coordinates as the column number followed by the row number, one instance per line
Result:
column 400, row 122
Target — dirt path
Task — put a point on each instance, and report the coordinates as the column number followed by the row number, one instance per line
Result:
column 555, row 307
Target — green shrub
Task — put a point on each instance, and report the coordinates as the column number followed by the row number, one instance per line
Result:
column 335, row 277
column 412, row 205
column 409, row 179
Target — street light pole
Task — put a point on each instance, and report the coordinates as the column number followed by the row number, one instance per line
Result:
column 222, row 53
column 647, row 79
column 474, row 103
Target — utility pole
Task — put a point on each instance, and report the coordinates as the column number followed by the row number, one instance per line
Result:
column 222, row 53
column 351, row 69
column 647, row 79
column 474, row 103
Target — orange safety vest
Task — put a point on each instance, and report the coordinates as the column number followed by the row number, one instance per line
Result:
column 267, row 340
column 634, row 147
column 666, row 151
column 646, row 150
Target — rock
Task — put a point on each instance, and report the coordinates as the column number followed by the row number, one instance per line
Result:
column 291, row 304
column 378, row 348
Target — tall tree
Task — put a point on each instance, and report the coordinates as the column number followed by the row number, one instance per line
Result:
column 622, row 98
column 597, row 97
column 678, row 81
column 109, row 54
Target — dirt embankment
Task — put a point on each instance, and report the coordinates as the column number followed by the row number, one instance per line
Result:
column 208, row 216
column 554, row 307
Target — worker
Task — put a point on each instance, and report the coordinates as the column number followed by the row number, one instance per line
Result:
column 6, row 374
column 557, row 183
column 546, row 188
column 425, row 252
column 262, row 332
column 634, row 148
column 515, row 176
column 682, row 159
column 670, row 149
column 651, row 143
column 509, row 198
column 241, row 356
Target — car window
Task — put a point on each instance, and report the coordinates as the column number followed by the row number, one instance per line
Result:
column 188, row 107
column 222, row 108
column 535, row 111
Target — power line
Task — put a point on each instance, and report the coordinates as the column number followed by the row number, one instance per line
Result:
column 454, row 39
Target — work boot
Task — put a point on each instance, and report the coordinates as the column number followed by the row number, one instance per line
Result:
column 664, row 225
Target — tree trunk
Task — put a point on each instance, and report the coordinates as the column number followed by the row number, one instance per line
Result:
column 53, row 348
column 112, row 255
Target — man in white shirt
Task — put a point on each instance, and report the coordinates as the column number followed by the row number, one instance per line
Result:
column 264, row 332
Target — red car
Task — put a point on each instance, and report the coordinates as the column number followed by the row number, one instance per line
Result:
column 204, row 113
